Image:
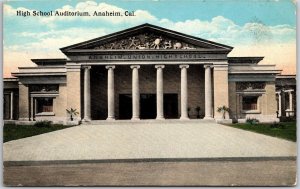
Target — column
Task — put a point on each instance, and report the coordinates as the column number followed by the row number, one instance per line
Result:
column 87, row 94
column 11, row 105
column 135, row 93
column 35, row 105
column 31, row 109
column 291, row 100
column 159, row 92
column 110, row 93
column 208, row 92
column 279, row 104
column 282, row 104
column 184, row 92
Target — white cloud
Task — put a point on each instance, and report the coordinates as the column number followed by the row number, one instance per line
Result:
column 54, row 39
column 47, row 46
column 10, row 11
column 224, row 30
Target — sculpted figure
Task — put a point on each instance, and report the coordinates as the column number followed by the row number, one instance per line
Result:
column 156, row 43
column 177, row 45
column 168, row 44
column 122, row 44
column 132, row 43
column 141, row 47
column 101, row 47
column 112, row 46
column 187, row 47
column 147, row 45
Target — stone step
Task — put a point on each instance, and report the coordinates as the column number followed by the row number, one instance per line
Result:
column 146, row 121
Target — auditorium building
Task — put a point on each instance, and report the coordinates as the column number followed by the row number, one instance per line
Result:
column 145, row 72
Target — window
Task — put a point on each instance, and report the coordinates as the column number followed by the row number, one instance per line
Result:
column 44, row 105
column 250, row 102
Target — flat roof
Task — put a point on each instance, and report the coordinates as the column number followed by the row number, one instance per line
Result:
column 53, row 61
column 251, row 60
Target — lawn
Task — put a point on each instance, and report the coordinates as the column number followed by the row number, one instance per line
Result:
column 285, row 130
column 13, row 132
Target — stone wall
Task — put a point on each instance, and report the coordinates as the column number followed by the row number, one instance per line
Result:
column 220, row 89
column 60, row 103
column 23, row 102
column 73, row 91
column 232, row 100
column 267, row 105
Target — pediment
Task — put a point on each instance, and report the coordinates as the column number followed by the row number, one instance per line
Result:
column 147, row 37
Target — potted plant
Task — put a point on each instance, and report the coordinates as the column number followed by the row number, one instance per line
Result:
column 198, row 111
column 223, row 110
column 189, row 109
column 72, row 112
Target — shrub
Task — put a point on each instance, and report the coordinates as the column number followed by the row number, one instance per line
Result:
column 43, row 123
column 276, row 125
column 252, row 121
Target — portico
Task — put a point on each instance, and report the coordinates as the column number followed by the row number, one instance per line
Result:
column 156, row 88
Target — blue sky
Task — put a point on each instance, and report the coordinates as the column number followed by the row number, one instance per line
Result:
column 270, row 12
column 256, row 27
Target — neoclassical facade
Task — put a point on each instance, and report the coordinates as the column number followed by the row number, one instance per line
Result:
column 144, row 72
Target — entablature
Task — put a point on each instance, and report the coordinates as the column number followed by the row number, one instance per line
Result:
column 40, row 71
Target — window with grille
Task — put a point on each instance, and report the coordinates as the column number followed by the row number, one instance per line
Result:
column 250, row 102
column 44, row 105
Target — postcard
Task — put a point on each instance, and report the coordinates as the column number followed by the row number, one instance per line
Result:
column 149, row 93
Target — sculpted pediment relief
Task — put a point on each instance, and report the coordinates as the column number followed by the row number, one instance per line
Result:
column 145, row 41
column 147, row 37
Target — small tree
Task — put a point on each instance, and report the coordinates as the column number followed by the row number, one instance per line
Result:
column 223, row 110
column 72, row 112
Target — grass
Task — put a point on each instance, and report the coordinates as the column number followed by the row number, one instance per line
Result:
column 284, row 130
column 14, row 132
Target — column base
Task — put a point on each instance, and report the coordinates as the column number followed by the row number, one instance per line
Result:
column 160, row 118
column 110, row 119
column 135, row 119
column 208, row 118
column 224, row 121
column 184, row 118
column 23, row 119
column 86, row 119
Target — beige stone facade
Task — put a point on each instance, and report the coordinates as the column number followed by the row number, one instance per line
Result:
column 147, row 72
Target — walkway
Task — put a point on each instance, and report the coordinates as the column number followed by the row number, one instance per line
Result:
column 170, row 139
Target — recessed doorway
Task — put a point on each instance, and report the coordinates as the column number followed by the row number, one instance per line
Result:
column 125, row 106
column 148, row 106
column 171, row 106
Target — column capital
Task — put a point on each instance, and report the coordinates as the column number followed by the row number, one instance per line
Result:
column 208, row 66
column 184, row 66
column 289, row 90
column 86, row 67
column 160, row 66
column 135, row 66
column 110, row 67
